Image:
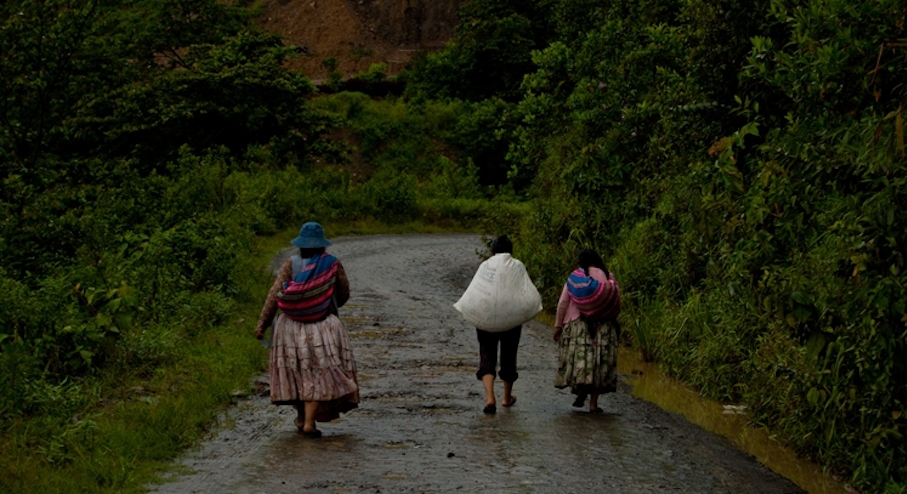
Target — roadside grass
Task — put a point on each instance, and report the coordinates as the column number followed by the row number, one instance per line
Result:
column 134, row 422
column 118, row 427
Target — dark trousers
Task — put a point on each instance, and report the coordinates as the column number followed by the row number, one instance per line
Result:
column 488, row 353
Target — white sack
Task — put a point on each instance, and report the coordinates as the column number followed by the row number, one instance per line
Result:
column 501, row 296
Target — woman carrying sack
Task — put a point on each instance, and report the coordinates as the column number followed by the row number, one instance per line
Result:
column 311, row 360
column 499, row 300
column 586, row 331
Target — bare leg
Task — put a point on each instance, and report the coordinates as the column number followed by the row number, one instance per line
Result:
column 311, row 407
column 488, row 382
column 508, row 394
column 593, row 401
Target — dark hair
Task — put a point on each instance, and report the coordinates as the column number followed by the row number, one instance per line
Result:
column 310, row 252
column 501, row 245
column 588, row 258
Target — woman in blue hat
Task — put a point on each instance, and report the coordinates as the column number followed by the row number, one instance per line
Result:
column 311, row 361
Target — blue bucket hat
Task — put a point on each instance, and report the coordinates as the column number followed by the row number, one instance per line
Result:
column 311, row 236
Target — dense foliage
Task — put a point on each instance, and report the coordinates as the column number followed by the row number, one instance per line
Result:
column 143, row 146
column 740, row 164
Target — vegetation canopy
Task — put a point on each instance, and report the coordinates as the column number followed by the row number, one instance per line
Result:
column 739, row 164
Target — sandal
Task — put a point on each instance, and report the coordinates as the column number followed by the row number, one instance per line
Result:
column 490, row 410
column 596, row 410
column 580, row 400
column 512, row 402
column 315, row 434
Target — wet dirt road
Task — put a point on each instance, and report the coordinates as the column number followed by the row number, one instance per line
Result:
column 420, row 426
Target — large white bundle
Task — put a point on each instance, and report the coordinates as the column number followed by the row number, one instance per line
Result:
column 501, row 296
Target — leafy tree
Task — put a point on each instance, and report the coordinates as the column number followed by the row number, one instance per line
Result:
column 740, row 164
column 234, row 94
column 163, row 30
column 108, row 107
column 46, row 68
column 490, row 52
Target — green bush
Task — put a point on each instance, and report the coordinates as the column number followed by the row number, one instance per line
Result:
column 392, row 195
column 142, row 146
column 739, row 165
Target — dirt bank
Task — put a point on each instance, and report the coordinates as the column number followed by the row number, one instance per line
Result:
column 359, row 33
column 420, row 427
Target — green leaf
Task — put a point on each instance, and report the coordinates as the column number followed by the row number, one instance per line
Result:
column 814, row 345
column 104, row 320
column 802, row 312
column 123, row 321
column 791, row 320
column 800, row 298
column 874, row 442
column 812, row 396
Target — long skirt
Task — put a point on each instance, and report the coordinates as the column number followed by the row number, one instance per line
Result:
column 313, row 362
column 587, row 364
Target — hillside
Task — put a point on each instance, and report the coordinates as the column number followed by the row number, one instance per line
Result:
column 359, row 33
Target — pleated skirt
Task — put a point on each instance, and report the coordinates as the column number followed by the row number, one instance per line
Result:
column 586, row 363
column 313, row 362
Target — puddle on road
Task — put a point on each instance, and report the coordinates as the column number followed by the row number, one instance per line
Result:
column 651, row 385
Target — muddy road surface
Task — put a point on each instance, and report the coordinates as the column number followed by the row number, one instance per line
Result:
column 420, row 426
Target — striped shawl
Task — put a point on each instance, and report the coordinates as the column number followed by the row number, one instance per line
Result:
column 308, row 296
column 595, row 299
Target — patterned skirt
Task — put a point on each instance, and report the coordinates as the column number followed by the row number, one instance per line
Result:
column 584, row 363
column 313, row 362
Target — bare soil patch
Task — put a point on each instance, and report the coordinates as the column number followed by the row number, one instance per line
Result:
column 359, row 33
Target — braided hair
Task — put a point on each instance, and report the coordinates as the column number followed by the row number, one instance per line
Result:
column 588, row 258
